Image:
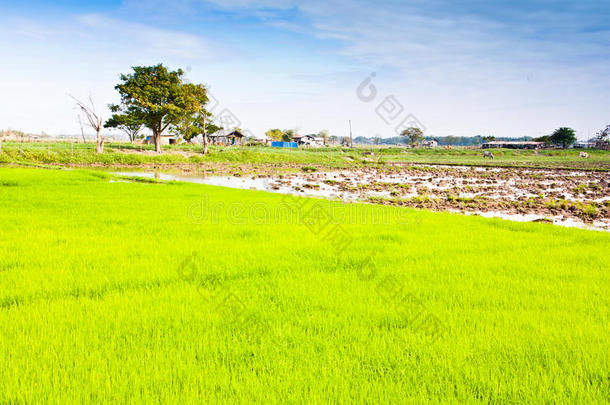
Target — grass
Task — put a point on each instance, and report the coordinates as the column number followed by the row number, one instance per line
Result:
column 599, row 159
column 127, row 154
column 115, row 291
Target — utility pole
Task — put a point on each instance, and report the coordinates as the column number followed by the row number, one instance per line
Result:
column 351, row 141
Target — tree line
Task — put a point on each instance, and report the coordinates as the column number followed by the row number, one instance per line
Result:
column 563, row 137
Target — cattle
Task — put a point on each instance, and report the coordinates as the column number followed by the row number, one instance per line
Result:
column 583, row 155
column 488, row 154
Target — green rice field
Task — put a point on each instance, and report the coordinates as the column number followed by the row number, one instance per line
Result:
column 114, row 290
column 83, row 154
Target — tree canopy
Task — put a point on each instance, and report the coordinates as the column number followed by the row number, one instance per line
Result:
column 324, row 134
column 128, row 123
column 191, row 126
column 288, row 135
column 275, row 134
column 563, row 136
column 545, row 138
column 415, row 135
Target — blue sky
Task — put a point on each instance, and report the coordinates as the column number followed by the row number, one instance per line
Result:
column 474, row 67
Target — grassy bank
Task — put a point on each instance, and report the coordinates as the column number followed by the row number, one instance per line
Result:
column 150, row 292
column 137, row 155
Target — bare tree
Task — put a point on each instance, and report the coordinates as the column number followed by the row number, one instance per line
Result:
column 82, row 131
column 602, row 139
column 95, row 121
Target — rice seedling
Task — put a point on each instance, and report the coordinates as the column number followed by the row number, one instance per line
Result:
column 120, row 291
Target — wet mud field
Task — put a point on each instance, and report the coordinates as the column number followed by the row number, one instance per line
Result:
column 563, row 197
column 571, row 198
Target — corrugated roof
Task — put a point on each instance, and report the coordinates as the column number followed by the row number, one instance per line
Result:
column 226, row 132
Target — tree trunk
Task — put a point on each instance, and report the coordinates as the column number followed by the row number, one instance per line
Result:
column 205, row 138
column 157, row 136
column 99, row 147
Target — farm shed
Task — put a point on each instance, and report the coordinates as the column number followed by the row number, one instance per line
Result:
column 309, row 140
column 165, row 140
column 227, row 137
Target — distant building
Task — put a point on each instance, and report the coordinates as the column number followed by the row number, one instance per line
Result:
column 429, row 144
column 227, row 137
column 309, row 140
column 584, row 145
column 513, row 145
column 264, row 140
column 165, row 140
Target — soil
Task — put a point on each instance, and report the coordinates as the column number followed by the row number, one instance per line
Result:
column 558, row 194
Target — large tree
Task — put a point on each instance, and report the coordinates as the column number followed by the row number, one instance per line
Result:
column 128, row 123
column 563, row 136
column 324, row 135
column 415, row 135
column 197, row 124
column 275, row 134
column 288, row 135
column 158, row 98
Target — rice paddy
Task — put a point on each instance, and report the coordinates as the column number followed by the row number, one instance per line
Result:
column 120, row 291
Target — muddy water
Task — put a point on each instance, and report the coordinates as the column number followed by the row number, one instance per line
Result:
column 515, row 194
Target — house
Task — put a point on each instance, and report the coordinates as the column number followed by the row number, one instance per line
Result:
column 261, row 140
column 309, row 140
column 165, row 140
column 584, row 145
column 513, row 145
column 227, row 137
column 430, row 144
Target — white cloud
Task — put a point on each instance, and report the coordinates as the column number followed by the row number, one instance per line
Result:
column 508, row 70
column 149, row 39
